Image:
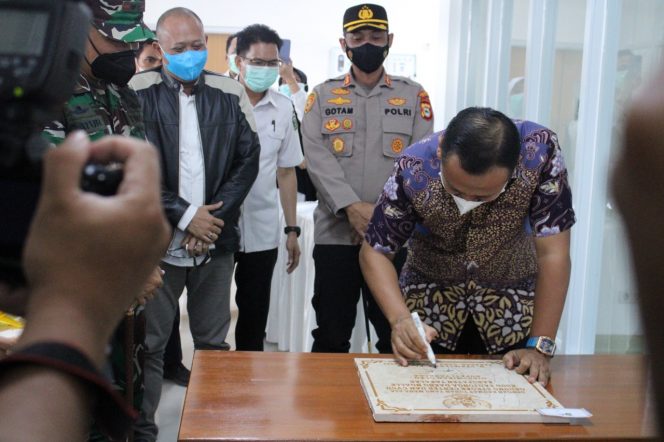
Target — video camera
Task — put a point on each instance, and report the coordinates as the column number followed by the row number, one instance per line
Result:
column 42, row 43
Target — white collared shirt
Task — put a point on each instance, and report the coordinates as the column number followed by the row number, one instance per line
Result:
column 191, row 177
column 299, row 100
column 280, row 147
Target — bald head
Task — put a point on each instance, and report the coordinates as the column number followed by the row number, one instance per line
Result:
column 180, row 29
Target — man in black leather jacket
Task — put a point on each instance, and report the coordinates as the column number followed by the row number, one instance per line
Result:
column 204, row 129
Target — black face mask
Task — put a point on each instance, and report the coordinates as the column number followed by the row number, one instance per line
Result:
column 368, row 58
column 116, row 68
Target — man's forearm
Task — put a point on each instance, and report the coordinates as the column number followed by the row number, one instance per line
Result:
column 381, row 277
column 41, row 403
column 550, row 294
column 287, row 180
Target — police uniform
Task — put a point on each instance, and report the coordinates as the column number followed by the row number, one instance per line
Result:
column 100, row 108
column 351, row 137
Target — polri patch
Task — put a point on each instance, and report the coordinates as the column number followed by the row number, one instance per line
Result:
column 332, row 124
column 397, row 145
column 397, row 101
column 311, row 99
column 339, row 101
column 338, row 144
column 340, row 91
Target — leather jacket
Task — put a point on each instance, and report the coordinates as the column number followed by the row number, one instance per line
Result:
column 228, row 134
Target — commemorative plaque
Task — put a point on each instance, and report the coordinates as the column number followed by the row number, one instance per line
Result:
column 457, row 390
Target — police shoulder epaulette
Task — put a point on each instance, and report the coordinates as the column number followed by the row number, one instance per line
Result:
column 406, row 80
column 335, row 79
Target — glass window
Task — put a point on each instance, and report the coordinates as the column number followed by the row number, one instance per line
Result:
column 639, row 54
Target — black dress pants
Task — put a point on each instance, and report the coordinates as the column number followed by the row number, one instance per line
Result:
column 253, row 278
column 337, row 288
column 173, row 350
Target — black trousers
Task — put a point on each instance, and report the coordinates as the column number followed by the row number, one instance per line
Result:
column 253, row 278
column 337, row 288
column 173, row 350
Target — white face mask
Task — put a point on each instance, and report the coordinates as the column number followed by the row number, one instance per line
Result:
column 466, row 206
column 463, row 205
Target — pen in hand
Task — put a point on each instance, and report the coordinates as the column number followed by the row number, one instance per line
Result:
column 420, row 329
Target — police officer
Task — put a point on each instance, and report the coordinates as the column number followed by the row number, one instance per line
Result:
column 353, row 128
column 103, row 104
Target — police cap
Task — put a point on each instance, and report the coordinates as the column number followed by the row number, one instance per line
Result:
column 365, row 15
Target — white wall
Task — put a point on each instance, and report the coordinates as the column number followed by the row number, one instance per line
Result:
column 314, row 28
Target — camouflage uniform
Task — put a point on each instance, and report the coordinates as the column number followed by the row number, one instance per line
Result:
column 101, row 108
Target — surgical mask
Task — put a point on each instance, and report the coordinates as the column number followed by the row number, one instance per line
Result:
column 116, row 67
column 231, row 64
column 368, row 58
column 260, row 78
column 285, row 89
column 464, row 205
column 188, row 65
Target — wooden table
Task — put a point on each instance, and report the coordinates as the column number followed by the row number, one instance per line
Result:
column 236, row 396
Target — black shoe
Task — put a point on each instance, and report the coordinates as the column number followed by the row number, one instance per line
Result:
column 179, row 374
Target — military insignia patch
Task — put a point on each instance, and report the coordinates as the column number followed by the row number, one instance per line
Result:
column 425, row 106
column 347, row 124
column 332, row 124
column 339, row 101
column 311, row 99
column 347, row 79
column 365, row 13
column 397, row 101
column 340, row 91
column 338, row 145
column 397, row 145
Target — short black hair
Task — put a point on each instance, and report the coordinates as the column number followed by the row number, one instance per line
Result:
column 299, row 73
column 229, row 40
column 482, row 138
column 255, row 34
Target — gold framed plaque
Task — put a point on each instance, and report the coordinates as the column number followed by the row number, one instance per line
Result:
column 457, row 390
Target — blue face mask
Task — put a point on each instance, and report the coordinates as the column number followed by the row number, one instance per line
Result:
column 187, row 66
column 285, row 89
column 260, row 78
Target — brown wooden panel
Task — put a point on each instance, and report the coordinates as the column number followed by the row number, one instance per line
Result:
column 236, row 396
column 216, row 46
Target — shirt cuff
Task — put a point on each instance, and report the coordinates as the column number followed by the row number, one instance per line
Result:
column 187, row 217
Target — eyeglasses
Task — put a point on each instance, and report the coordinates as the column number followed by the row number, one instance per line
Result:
column 263, row 63
column 181, row 252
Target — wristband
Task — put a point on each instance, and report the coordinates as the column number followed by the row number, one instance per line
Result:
column 111, row 412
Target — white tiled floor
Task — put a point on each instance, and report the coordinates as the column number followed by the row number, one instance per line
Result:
column 172, row 396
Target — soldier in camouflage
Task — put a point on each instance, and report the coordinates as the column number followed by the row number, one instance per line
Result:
column 103, row 104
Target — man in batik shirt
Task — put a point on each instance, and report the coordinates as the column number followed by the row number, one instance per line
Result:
column 486, row 210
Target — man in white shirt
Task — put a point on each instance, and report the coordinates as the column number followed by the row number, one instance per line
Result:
column 276, row 123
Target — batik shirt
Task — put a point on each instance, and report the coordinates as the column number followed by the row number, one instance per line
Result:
column 483, row 263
